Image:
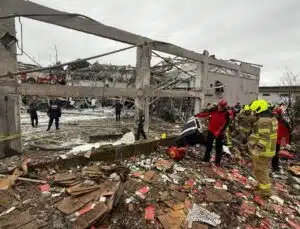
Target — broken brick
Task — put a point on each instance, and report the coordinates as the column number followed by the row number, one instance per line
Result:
column 149, row 213
column 45, row 188
column 247, row 209
column 259, row 200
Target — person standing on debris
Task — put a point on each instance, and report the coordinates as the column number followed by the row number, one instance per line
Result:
column 245, row 122
column 33, row 113
column 237, row 108
column 118, row 108
column 140, row 126
column 262, row 145
column 54, row 113
column 218, row 121
column 283, row 136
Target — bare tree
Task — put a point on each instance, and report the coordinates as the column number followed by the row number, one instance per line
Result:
column 290, row 81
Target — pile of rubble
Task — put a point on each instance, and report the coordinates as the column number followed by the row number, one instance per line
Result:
column 150, row 192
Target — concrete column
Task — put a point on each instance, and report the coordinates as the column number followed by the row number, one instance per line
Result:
column 142, row 80
column 198, row 80
column 69, row 78
column 201, row 84
column 9, row 103
column 239, row 93
column 204, row 82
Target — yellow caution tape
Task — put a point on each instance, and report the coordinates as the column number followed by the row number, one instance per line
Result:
column 9, row 137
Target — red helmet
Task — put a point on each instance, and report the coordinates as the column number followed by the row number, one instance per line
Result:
column 223, row 103
column 277, row 111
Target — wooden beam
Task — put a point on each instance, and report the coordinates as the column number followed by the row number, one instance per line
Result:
column 82, row 91
column 79, row 23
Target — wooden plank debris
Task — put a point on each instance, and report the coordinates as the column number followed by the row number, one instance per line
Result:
column 172, row 220
column 174, row 204
column 87, row 219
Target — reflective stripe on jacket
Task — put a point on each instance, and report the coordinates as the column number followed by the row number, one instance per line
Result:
column 246, row 122
column 263, row 139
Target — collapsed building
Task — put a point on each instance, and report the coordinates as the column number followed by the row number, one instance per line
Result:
column 174, row 73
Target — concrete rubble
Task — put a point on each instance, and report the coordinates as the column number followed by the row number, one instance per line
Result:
column 150, row 192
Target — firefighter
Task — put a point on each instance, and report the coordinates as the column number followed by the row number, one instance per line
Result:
column 245, row 122
column 262, row 145
column 54, row 113
column 218, row 121
column 283, row 136
column 237, row 108
column 33, row 113
column 140, row 126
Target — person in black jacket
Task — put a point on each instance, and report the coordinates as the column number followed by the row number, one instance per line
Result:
column 54, row 113
column 33, row 113
column 140, row 126
column 118, row 108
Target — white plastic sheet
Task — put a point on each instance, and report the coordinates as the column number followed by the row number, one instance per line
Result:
column 200, row 214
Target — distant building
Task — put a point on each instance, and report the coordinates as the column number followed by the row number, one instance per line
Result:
column 279, row 94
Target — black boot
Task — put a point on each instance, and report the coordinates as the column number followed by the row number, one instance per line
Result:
column 206, row 158
column 218, row 159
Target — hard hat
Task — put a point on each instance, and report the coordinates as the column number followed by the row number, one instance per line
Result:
column 223, row 103
column 277, row 111
column 246, row 108
column 259, row 106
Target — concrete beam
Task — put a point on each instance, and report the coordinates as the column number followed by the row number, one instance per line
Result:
column 78, row 22
column 82, row 91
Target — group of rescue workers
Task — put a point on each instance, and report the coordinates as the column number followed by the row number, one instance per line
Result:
column 54, row 113
column 262, row 129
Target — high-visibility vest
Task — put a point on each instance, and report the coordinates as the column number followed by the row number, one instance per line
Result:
column 263, row 139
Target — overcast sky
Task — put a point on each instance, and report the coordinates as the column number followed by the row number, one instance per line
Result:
column 265, row 32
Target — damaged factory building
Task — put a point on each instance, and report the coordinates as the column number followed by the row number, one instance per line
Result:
column 104, row 146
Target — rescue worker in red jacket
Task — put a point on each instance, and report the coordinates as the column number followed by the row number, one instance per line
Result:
column 283, row 136
column 218, row 121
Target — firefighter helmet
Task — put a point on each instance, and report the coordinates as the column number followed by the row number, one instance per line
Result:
column 222, row 103
column 247, row 108
column 277, row 111
column 259, row 106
